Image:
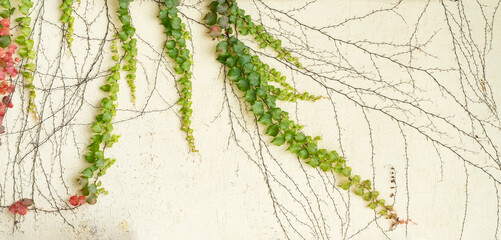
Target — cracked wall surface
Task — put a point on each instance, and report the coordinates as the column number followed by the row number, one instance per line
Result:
column 410, row 90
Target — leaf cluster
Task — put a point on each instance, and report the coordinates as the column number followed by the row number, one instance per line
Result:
column 102, row 137
column 223, row 16
column 252, row 77
column 26, row 52
column 176, row 49
column 129, row 45
column 7, row 9
column 67, row 18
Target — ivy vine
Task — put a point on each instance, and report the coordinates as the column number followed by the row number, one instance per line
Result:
column 101, row 139
column 27, row 53
column 177, row 51
column 7, row 69
column 252, row 77
column 129, row 45
column 67, row 18
column 262, row 87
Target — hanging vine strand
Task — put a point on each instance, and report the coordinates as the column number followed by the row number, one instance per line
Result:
column 250, row 75
column 27, row 53
column 126, row 35
column 178, row 52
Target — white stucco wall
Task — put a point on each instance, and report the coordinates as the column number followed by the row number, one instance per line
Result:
column 158, row 190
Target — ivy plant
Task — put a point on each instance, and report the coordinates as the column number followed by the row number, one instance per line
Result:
column 27, row 53
column 176, row 49
column 102, row 138
column 68, row 19
column 261, row 85
column 7, row 62
column 126, row 35
column 252, row 76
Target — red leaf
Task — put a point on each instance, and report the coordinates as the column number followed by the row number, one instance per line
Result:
column 74, row 201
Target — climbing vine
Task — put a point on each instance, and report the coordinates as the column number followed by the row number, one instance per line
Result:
column 261, row 73
column 177, row 51
column 27, row 53
column 126, row 35
column 7, row 70
column 101, row 139
column 251, row 76
column 68, row 19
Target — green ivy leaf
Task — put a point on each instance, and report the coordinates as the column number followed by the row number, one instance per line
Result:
column 356, row 179
column 250, row 96
column 243, row 84
column 24, row 9
column 29, row 44
column 346, row 171
column 258, row 108
column 234, row 73
column 239, row 48
column 222, row 8
column 176, row 23
column 106, row 137
column 294, row 148
column 312, row 148
column 123, row 36
column 211, row 18
column 367, row 196
column 173, row 53
column 222, row 47
column 224, row 22
column 186, row 66
column 271, row 101
column 284, row 124
column 313, row 162
column 99, row 163
column 300, row 137
column 338, row 168
column 276, row 113
column 107, row 116
column 272, row 130
column 64, row 18
column 30, row 67
column 230, row 61
column 248, row 67
column 326, row 166
column 5, row 41
column 124, row 19
column 265, row 119
column 372, row 205
column 31, row 54
column 254, row 79
column 289, row 136
column 163, row 14
column 25, row 31
column 87, row 173
column 96, row 128
column 346, row 185
column 92, row 188
column 303, row 153
column 359, row 191
column 279, row 141
column 89, row 157
column 366, row 183
column 213, row 6
column 21, row 40
column 243, row 59
column 171, row 44
column 262, row 92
